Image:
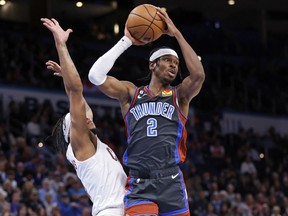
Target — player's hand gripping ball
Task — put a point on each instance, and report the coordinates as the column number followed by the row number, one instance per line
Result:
column 144, row 24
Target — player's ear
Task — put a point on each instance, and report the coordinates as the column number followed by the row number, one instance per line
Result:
column 152, row 65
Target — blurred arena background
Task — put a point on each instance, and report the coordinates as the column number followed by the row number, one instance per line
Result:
column 237, row 128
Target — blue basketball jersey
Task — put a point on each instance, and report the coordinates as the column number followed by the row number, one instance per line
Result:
column 156, row 131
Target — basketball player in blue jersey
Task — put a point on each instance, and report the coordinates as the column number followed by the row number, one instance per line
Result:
column 155, row 117
column 95, row 163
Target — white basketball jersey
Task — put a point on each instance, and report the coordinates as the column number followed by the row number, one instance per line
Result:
column 104, row 179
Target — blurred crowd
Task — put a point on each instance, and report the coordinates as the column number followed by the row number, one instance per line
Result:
column 239, row 174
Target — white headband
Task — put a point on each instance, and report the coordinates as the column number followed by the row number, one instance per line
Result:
column 66, row 126
column 162, row 52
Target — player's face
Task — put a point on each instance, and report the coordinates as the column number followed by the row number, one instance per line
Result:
column 168, row 68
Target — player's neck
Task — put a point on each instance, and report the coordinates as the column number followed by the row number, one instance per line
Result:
column 156, row 88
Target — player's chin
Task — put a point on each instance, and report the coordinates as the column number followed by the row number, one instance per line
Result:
column 168, row 80
column 171, row 77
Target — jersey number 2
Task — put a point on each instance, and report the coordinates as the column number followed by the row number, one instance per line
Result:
column 151, row 127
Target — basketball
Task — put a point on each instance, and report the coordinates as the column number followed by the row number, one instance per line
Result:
column 144, row 24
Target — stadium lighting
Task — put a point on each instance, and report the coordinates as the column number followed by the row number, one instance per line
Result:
column 231, row 2
column 79, row 4
column 2, row 2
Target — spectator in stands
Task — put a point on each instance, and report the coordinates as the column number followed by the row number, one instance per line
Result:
column 66, row 207
column 8, row 188
column 241, row 206
column 49, row 204
column 225, row 208
column 199, row 204
column 230, row 192
column 285, row 206
column 210, row 211
column 23, row 210
column 6, row 209
column 46, row 189
column 33, row 128
column 217, row 153
column 32, row 201
column 3, row 174
column 76, row 190
column 247, row 166
column 6, row 138
column 56, row 181
column 27, row 187
column 16, row 201
column 265, row 210
column 56, row 211
column 216, row 202
column 3, row 201
column 11, row 177
column 19, row 173
column 276, row 211
column 85, row 204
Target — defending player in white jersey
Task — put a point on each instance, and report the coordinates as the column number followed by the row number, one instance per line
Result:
column 95, row 163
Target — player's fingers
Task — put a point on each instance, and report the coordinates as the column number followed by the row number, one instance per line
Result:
column 44, row 19
column 69, row 31
column 163, row 17
column 46, row 24
column 162, row 11
column 165, row 32
column 49, row 62
column 55, row 21
column 57, row 74
column 47, row 21
column 50, row 67
column 56, row 64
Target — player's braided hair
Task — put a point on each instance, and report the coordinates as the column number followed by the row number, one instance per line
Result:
column 59, row 142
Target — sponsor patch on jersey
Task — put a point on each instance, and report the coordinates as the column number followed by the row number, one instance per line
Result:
column 166, row 93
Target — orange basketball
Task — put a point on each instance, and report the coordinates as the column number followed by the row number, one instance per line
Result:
column 144, row 24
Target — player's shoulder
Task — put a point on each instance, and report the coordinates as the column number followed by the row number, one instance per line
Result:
column 131, row 87
column 129, row 84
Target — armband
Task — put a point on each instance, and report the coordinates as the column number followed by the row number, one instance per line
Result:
column 98, row 72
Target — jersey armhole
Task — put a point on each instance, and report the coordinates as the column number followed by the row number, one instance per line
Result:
column 175, row 101
column 133, row 99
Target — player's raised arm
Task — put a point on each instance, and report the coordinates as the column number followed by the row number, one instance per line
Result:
column 98, row 72
column 54, row 66
column 112, row 87
column 192, row 84
column 79, row 132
